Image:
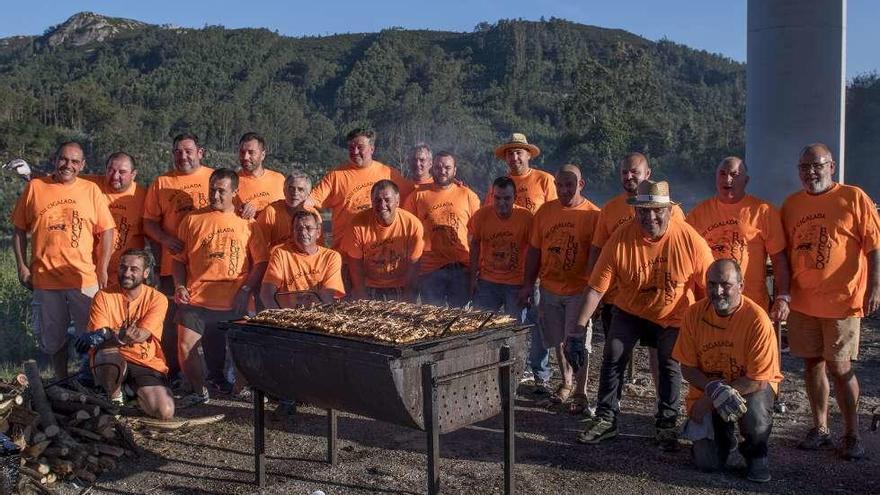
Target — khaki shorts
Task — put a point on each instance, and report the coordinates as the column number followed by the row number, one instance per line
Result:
column 558, row 317
column 54, row 309
column 828, row 338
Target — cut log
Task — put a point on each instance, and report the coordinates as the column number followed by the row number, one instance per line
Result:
column 85, row 475
column 36, row 450
column 51, row 478
column 110, row 450
column 38, row 467
column 56, row 451
column 105, row 420
column 107, row 463
column 58, row 393
column 73, row 407
column 38, row 437
column 108, row 432
column 21, row 415
column 62, row 467
column 94, row 399
column 51, row 431
column 84, row 433
column 34, row 475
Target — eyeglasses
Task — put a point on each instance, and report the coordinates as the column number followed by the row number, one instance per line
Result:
column 817, row 166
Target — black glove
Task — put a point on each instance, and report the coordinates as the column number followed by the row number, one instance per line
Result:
column 89, row 340
column 575, row 352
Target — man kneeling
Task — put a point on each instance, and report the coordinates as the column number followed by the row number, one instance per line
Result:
column 125, row 331
column 729, row 356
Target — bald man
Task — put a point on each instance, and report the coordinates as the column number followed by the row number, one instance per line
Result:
column 744, row 228
column 834, row 250
column 559, row 247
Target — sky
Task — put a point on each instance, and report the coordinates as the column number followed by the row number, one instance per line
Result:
column 718, row 26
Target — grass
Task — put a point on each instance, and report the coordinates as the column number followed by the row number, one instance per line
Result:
column 17, row 341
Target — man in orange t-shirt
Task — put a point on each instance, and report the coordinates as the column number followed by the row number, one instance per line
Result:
column 444, row 208
column 300, row 271
column 657, row 264
column 277, row 219
column 222, row 259
column 384, row 248
column 125, row 198
column 419, row 162
column 559, row 246
column 125, row 325
column 345, row 190
column 746, row 229
column 727, row 343
column 257, row 186
column 63, row 214
column 834, row 249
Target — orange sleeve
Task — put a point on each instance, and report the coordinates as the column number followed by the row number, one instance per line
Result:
column 870, row 223
column 275, row 270
column 21, row 217
column 183, row 233
column 321, row 194
column 489, row 197
column 762, row 350
column 685, row 350
column 152, row 209
column 104, row 219
column 154, row 315
column 535, row 231
column 604, row 272
column 100, row 315
column 550, row 190
column 601, row 234
column 333, row 274
column 473, row 203
column 404, row 184
column 419, row 245
column 352, row 245
column 702, row 260
column 473, row 226
column 258, row 245
column 409, row 204
column 774, row 243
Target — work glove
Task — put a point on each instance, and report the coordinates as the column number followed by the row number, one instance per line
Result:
column 728, row 403
column 19, row 167
column 90, row 340
column 575, row 352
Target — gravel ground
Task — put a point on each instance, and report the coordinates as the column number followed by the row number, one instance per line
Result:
column 376, row 457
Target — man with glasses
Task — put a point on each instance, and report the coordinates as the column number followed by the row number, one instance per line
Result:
column 834, row 251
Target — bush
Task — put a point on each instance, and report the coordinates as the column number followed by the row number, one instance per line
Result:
column 17, row 341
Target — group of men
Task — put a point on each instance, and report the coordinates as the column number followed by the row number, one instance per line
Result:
column 692, row 289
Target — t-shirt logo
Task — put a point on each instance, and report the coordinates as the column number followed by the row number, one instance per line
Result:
column 812, row 246
column 76, row 227
column 728, row 243
column 383, row 260
column 123, row 228
column 505, row 252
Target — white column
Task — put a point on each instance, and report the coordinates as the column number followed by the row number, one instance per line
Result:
column 795, row 88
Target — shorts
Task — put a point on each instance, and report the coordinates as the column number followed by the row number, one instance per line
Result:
column 559, row 315
column 200, row 319
column 829, row 338
column 54, row 309
column 137, row 376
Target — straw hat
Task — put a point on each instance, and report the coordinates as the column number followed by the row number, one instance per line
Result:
column 517, row 140
column 651, row 195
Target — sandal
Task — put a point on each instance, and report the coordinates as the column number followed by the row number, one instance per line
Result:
column 578, row 404
column 561, row 395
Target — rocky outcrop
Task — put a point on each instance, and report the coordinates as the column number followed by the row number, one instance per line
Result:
column 87, row 27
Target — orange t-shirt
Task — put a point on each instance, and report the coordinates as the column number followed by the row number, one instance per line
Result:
column 444, row 214
column 388, row 251
column 655, row 279
column 747, row 232
column 170, row 198
column 63, row 221
column 423, row 184
column 112, row 306
column 292, row 270
column 276, row 223
column 503, row 244
column 533, row 189
column 345, row 190
column 728, row 347
column 563, row 235
column 828, row 237
column 219, row 251
column 262, row 190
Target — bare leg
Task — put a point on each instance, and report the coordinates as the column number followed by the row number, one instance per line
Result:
column 565, row 368
column 156, row 401
column 816, row 383
column 188, row 345
column 582, row 377
column 110, row 370
column 846, row 389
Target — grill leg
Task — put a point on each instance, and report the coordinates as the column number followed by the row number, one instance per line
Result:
column 332, row 457
column 508, row 396
column 429, row 410
column 259, row 439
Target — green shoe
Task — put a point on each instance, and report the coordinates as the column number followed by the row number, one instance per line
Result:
column 597, row 430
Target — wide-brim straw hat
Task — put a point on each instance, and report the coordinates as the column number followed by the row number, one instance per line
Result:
column 517, row 140
column 651, row 195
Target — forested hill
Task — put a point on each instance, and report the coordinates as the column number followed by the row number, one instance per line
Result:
column 583, row 94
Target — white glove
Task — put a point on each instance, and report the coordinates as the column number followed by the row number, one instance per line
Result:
column 729, row 404
column 19, row 167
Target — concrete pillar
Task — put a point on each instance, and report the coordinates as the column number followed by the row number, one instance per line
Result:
column 795, row 88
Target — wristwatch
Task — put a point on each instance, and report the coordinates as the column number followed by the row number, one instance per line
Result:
column 784, row 297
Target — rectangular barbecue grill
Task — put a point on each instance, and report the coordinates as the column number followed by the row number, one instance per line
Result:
column 438, row 385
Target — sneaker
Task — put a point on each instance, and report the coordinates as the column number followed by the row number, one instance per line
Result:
column 667, row 438
column 758, row 470
column 118, row 401
column 527, row 377
column 597, row 430
column 815, row 439
column 851, row 448
column 194, row 399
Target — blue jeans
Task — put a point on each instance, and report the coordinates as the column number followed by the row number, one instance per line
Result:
column 492, row 296
column 446, row 285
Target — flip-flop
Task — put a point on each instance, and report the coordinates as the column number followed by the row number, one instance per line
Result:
column 178, row 423
column 561, row 395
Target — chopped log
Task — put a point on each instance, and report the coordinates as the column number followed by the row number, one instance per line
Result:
column 21, row 415
column 126, row 438
column 51, row 478
column 10, row 403
column 94, row 399
column 37, row 466
column 36, row 450
column 51, row 431
column 110, row 450
column 21, row 379
column 78, row 418
column 38, row 437
column 73, row 407
column 107, row 463
column 62, row 467
column 38, row 394
column 58, row 393
column 56, row 451
column 34, row 475
column 85, row 475
column 105, row 420
column 29, row 486
column 84, row 433
column 108, row 432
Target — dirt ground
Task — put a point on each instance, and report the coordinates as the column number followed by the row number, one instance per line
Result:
column 380, row 458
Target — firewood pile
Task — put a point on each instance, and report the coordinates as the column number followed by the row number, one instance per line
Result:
column 64, row 432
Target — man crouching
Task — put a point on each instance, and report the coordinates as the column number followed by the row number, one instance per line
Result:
column 729, row 356
column 124, row 334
